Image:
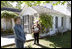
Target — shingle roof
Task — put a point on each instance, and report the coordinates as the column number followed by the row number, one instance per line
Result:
column 41, row 9
column 11, row 9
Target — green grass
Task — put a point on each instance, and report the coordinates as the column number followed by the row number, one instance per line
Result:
column 60, row 41
column 57, row 41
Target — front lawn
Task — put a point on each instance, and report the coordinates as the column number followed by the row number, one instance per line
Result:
column 57, row 41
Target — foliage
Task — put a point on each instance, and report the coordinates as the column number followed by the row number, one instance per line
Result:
column 1, row 30
column 29, row 3
column 34, row 3
column 18, row 6
column 6, row 4
column 7, row 31
column 46, row 21
column 8, row 14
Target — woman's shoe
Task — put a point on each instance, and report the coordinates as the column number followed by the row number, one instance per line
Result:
column 34, row 43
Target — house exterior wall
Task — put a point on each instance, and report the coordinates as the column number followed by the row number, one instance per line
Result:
column 6, row 24
column 13, row 23
column 68, row 23
column 3, row 24
column 59, row 21
column 59, row 24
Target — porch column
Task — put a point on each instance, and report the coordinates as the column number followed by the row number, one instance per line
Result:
column 59, row 21
column 53, row 22
column 13, row 24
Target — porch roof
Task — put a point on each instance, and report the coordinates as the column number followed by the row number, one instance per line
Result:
column 29, row 11
column 10, row 9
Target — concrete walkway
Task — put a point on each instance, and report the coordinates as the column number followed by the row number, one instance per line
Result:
column 6, row 40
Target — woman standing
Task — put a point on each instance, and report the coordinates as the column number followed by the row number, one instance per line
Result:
column 36, row 30
column 19, row 33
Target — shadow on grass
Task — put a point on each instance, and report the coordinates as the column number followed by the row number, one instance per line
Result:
column 60, row 41
column 42, row 46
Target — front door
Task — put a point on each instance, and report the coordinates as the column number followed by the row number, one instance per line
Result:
column 26, row 23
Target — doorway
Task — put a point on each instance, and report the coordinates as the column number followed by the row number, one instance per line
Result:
column 25, row 22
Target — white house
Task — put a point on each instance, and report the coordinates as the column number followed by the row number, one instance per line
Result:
column 27, row 15
column 61, row 21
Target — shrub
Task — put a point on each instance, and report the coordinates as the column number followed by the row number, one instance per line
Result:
column 8, row 31
column 8, row 14
column 46, row 22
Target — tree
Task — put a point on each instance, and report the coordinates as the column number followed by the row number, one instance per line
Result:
column 8, row 14
column 30, row 3
column 6, row 4
column 34, row 3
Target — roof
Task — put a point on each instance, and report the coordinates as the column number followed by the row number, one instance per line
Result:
column 11, row 9
column 41, row 9
column 29, row 11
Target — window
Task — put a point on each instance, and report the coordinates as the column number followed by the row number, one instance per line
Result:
column 70, row 20
column 62, row 21
column 56, row 22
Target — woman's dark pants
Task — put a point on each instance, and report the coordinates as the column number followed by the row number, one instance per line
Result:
column 36, row 38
